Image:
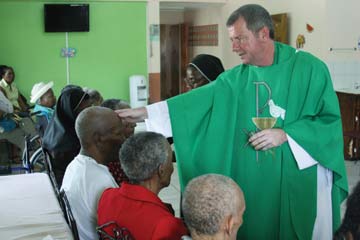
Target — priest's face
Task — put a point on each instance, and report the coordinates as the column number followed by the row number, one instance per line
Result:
column 245, row 43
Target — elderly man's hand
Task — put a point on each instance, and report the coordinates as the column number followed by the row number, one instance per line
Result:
column 268, row 138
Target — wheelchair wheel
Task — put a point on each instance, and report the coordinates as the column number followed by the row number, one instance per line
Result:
column 37, row 161
column 32, row 145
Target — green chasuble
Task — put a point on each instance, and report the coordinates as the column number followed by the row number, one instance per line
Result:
column 209, row 126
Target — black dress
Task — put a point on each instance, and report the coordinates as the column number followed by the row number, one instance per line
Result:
column 60, row 138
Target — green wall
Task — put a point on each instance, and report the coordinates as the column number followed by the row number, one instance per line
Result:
column 113, row 50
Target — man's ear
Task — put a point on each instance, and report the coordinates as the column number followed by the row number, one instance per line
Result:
column 264, row 33
column 228, row 224
column 161, row 170
column 97, row 139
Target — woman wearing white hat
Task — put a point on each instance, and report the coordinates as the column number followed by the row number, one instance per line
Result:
column 43, row 97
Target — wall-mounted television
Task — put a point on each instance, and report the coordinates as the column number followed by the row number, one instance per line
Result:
column 66, row 17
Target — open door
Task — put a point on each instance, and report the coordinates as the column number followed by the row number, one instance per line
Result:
column 174, row 59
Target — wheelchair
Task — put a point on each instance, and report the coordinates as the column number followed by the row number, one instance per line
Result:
column 32, row 157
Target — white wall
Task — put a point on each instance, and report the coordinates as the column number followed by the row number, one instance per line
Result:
column 206, row 16
column 299, row 13
column 153, row 17
column 343, row 35
column 334, row 22
column 172, row 16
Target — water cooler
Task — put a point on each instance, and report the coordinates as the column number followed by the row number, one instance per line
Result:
column 138, row 91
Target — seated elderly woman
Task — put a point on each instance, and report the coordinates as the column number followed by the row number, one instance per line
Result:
column 8, row 130
column 60, row 138
column 203, row 69
column 8, row 85
column 146, row 160
column 5, row 108
column 213, row 212
column 43, row 97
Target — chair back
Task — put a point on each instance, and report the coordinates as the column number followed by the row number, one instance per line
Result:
column 112, row 231
column 48, row 161
column 50, row 171
column 69, row 217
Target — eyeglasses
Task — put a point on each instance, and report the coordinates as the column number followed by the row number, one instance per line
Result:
column 240, row 39
column 81, row 100
column 194, row 82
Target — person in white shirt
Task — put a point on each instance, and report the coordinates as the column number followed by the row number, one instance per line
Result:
column 5, row 104
column 8, row 129
column 101, row 133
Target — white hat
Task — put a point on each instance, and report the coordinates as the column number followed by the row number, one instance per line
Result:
column 39, row 89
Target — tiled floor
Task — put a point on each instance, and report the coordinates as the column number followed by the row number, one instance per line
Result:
column 353, row 172
column 171, row 194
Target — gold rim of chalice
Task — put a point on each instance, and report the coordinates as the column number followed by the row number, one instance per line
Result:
column 264, row 122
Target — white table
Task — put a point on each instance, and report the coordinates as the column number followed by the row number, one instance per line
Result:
column 29, row 209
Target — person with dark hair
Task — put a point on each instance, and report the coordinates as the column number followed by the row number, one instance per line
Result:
column 114, row 165
column 115, row 104
column 350, row 227
column 146, row 160
column 203, row 69
column 95, row 96
column 2, row 68
column 60, row 138
column 12, row 93
column 13, row 128
column 100, row 132
column 272, row 124
column 213, row 213
column 70, row 86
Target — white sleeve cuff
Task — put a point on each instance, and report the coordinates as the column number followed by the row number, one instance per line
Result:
column 159, row 119
column 303, row 159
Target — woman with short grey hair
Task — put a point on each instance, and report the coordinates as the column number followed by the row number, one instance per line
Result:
column 147, row 161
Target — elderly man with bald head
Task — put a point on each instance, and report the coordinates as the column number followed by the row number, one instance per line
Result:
column 100, row 132
column 213, row 212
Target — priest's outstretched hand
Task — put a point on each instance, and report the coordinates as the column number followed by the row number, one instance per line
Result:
column 133, row 115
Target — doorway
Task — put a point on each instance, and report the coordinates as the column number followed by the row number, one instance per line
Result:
column 173, row 59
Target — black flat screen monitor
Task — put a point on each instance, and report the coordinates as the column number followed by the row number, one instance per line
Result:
column 66, row 17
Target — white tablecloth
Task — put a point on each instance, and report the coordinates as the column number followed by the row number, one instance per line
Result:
column 29, row 209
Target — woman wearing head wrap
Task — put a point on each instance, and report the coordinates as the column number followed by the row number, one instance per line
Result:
column 60, row 138
column 43, row 97
column 202, row 70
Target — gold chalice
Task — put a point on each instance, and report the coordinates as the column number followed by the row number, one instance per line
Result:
column 264, row 122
